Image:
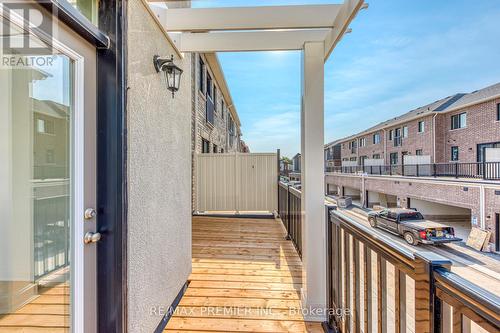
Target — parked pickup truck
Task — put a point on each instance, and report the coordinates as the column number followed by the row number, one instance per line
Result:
column 412, row 226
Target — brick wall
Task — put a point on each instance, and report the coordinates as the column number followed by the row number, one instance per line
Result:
column 465, row 195
column 482, row 127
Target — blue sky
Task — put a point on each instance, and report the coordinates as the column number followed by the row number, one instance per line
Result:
column 400, row 55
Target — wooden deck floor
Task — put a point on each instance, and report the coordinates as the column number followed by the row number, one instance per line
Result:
column 246, row 278
column 48, row 313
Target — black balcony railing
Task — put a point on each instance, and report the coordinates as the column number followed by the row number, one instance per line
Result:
column 290, row 211
column 441, row 299
column 478, row 170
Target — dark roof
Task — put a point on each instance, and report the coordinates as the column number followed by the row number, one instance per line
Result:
column 446, row 104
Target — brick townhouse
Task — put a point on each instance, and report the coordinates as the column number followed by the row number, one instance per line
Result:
column 451, row 133
column 216, row 125
column 452, row 129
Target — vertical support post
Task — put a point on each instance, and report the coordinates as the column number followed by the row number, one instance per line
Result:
column 278, row 180
column 312, row 176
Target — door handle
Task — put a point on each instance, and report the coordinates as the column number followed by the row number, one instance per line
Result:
column 91, row 237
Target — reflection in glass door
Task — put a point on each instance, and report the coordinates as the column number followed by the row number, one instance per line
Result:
column 36, row 111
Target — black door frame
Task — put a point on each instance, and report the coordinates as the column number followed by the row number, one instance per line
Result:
column 109, row 38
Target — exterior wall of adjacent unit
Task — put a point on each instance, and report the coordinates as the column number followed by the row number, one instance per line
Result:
column 159, row 149
column 218, row 134
column 482, row 127
column 482, row 199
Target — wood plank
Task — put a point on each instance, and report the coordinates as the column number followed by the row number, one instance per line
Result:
column 247, row 274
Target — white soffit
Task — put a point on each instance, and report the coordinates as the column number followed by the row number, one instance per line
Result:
column 264, row 28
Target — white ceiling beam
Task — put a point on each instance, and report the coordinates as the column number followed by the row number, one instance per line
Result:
column 247, row 40
column 251, row 18
column 345, row 15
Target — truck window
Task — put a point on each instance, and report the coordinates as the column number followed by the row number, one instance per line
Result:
column 410, row 216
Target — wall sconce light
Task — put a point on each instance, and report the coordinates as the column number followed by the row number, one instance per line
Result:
column 171, row 72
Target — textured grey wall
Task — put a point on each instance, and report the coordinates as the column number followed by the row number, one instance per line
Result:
column 159, row 175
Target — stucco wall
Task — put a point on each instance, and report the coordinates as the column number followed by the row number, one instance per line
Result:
column 159, row 175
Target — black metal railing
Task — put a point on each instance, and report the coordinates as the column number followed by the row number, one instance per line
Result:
column 290, row 211
column 478, row 170
column 357, row 256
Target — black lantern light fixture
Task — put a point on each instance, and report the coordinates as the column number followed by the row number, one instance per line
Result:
column 171, row 72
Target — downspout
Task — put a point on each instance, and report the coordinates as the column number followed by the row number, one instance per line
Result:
column 434, row 138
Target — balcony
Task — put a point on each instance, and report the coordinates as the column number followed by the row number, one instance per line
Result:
column 477, row 170
column 246, row 277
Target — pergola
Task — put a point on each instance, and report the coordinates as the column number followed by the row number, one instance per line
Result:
column 313, row 29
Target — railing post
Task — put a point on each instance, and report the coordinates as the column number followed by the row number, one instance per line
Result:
column 417, row 170
column 434, row 169
column 484, row 167
column 456, row 170
column 288, row 212
column 425, row 298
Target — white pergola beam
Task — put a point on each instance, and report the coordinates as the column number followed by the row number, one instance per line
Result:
column 251, row 18
column 345, row 15
column 247, row 40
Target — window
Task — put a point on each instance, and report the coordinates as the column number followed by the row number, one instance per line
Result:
column 405, row 131
column 421, row 126
column 498, row 111
column 222, row 150
column 215, row 149
column 418, row 152
column 391, row 134
column 216, row 107
column 376, row 156
column 376, row 138
column 222, row 108
column 459, row 121
column 362, row 142
column 454, row 153
column 45, row 126
column 201, row 79
column 205, row 146
column 49, row 156
column 397, row 137
column 210, row 91
column 394, row 158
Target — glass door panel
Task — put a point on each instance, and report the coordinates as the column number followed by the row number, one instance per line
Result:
column 36, row 182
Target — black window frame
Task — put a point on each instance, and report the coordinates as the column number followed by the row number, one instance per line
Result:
column 209, row 86
column 498, row 111
column 419, row 152
column 201, row 76
column 456, row 121
column 393, row 157
column 421, row 126
column 454, row 153
column 205, row 146
column 376, row 138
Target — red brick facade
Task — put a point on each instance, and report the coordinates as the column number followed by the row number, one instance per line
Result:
column 482, row 127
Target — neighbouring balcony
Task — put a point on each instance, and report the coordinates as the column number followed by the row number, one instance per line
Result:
column 476, row 170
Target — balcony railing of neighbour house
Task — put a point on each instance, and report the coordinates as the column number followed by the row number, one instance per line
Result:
column 478, row 170
column 441, row 301
column 290, row 211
